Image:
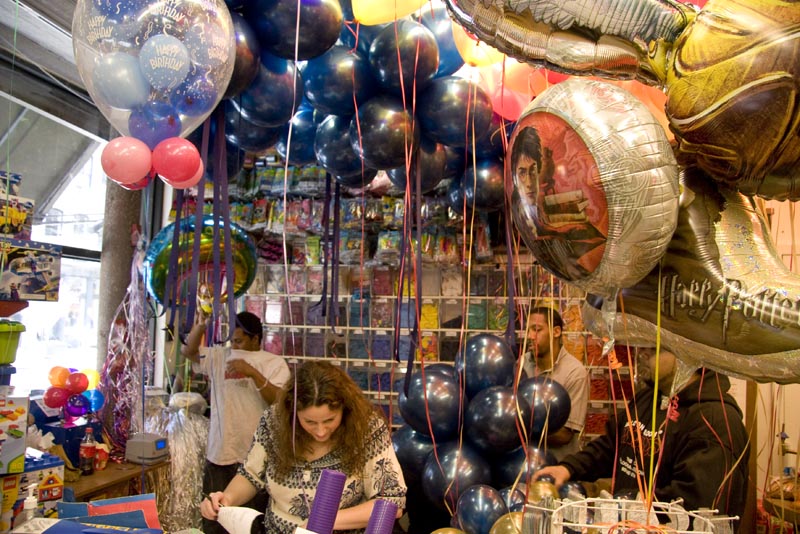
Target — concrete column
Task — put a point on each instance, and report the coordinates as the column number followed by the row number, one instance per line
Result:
column 122, row 213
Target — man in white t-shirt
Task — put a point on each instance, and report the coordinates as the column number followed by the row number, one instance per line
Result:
column 244, row 380
column 548, row 357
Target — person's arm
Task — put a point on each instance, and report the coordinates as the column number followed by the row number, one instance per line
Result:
column 237, row 492
column 709, row 469
column 267, row 390
column 191, row 349
column 382, row 472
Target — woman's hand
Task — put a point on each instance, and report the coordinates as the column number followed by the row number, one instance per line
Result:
column 209, row 506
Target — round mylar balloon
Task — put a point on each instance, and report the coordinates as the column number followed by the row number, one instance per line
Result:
column 156, row 261
column 134, row 56
column 595, row 184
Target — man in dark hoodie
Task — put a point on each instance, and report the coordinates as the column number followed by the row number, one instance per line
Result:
column 701, row 446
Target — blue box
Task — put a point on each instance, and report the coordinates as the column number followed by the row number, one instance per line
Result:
column 70, row 437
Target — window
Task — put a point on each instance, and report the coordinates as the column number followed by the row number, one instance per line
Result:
column 65, row 332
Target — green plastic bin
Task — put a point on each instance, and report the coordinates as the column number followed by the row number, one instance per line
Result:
column 9, row 340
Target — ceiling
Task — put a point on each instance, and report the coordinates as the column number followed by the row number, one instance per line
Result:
column 49, row 126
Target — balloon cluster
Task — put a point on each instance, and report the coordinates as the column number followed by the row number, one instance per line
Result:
column 484, row 476
column 341, row 94
column 156, row 69
column 73, row 391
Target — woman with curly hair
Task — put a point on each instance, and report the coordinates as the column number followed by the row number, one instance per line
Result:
column 321, row 421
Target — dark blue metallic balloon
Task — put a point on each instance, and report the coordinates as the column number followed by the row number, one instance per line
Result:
column 514, row 498
column 195, row 96
column 429, row 163
column 247, row 135
column 404, row 57
column 386, row 132
column 572, row 489
column 412, row 449
column 357, row 36
column 494, row 141
column 153, row 122
column 483, row 184
column 276, row 23
column 486, row 360
column 436, row 397
column 449, row 472
column 479, row 507
column 492, row 420
column 248, row 56
column 439, row 367
column 437, row 20
column 451, row 108
column 276, row 91
column 549, row 402
column 333, row 149
column 358, row 180
column 511, row 465
column 297, row 146
column 333, row 80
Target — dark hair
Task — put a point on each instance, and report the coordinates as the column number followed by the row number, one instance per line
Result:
column 553, row 317
column 528, row 143
column 250, row 325
column 319, row 383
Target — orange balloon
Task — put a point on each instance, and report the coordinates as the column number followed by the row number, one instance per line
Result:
column 58, row 376
column 473, row 51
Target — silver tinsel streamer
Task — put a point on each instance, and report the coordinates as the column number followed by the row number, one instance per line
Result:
column 187, row 434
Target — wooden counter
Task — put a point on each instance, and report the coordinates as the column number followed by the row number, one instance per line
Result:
column 116, row 480
column 787, row 510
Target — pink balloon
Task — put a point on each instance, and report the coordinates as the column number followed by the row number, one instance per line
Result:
column 141, row 184
column 126, row 159
column 191, row 182
column 176, row 159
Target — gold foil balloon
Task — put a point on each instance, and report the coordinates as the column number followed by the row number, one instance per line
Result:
column 156, row 262
column 727, row 300
column 595, row 184
column 539, row 490
column 510, row 523
column 730, row 70
column 448, row 530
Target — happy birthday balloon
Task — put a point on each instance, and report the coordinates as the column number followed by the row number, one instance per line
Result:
column 134, row 55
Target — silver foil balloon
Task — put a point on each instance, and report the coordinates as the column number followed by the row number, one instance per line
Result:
column 727, row 301
column 595, row 184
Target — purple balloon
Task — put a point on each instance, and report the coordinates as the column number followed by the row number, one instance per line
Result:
column 154, row 122
column 77, row 405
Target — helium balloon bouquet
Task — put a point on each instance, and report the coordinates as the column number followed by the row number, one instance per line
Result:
column 155, row 69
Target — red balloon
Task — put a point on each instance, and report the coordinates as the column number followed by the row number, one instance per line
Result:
column 176, row 159
column 56, row 397
column 191, row 182
column 77, row 383
column 126, row 159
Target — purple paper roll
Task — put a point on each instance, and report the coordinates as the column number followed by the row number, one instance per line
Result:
column 326, row 502
column 381, row 521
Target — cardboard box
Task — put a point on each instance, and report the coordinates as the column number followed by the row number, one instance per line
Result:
column 16, row 216
column 31, row 270
column 13, row 429
column 69, row 436
column 47, row 472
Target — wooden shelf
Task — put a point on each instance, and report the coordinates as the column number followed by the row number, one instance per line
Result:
column 113, row 481
column 10, row 307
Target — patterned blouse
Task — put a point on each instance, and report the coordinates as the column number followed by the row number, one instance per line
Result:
column 291, row 496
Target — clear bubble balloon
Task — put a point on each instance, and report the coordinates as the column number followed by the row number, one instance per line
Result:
column 136, row 53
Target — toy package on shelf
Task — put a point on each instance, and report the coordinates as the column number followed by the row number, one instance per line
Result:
column 10, row 183
column 16, row 217
column 31, row 270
